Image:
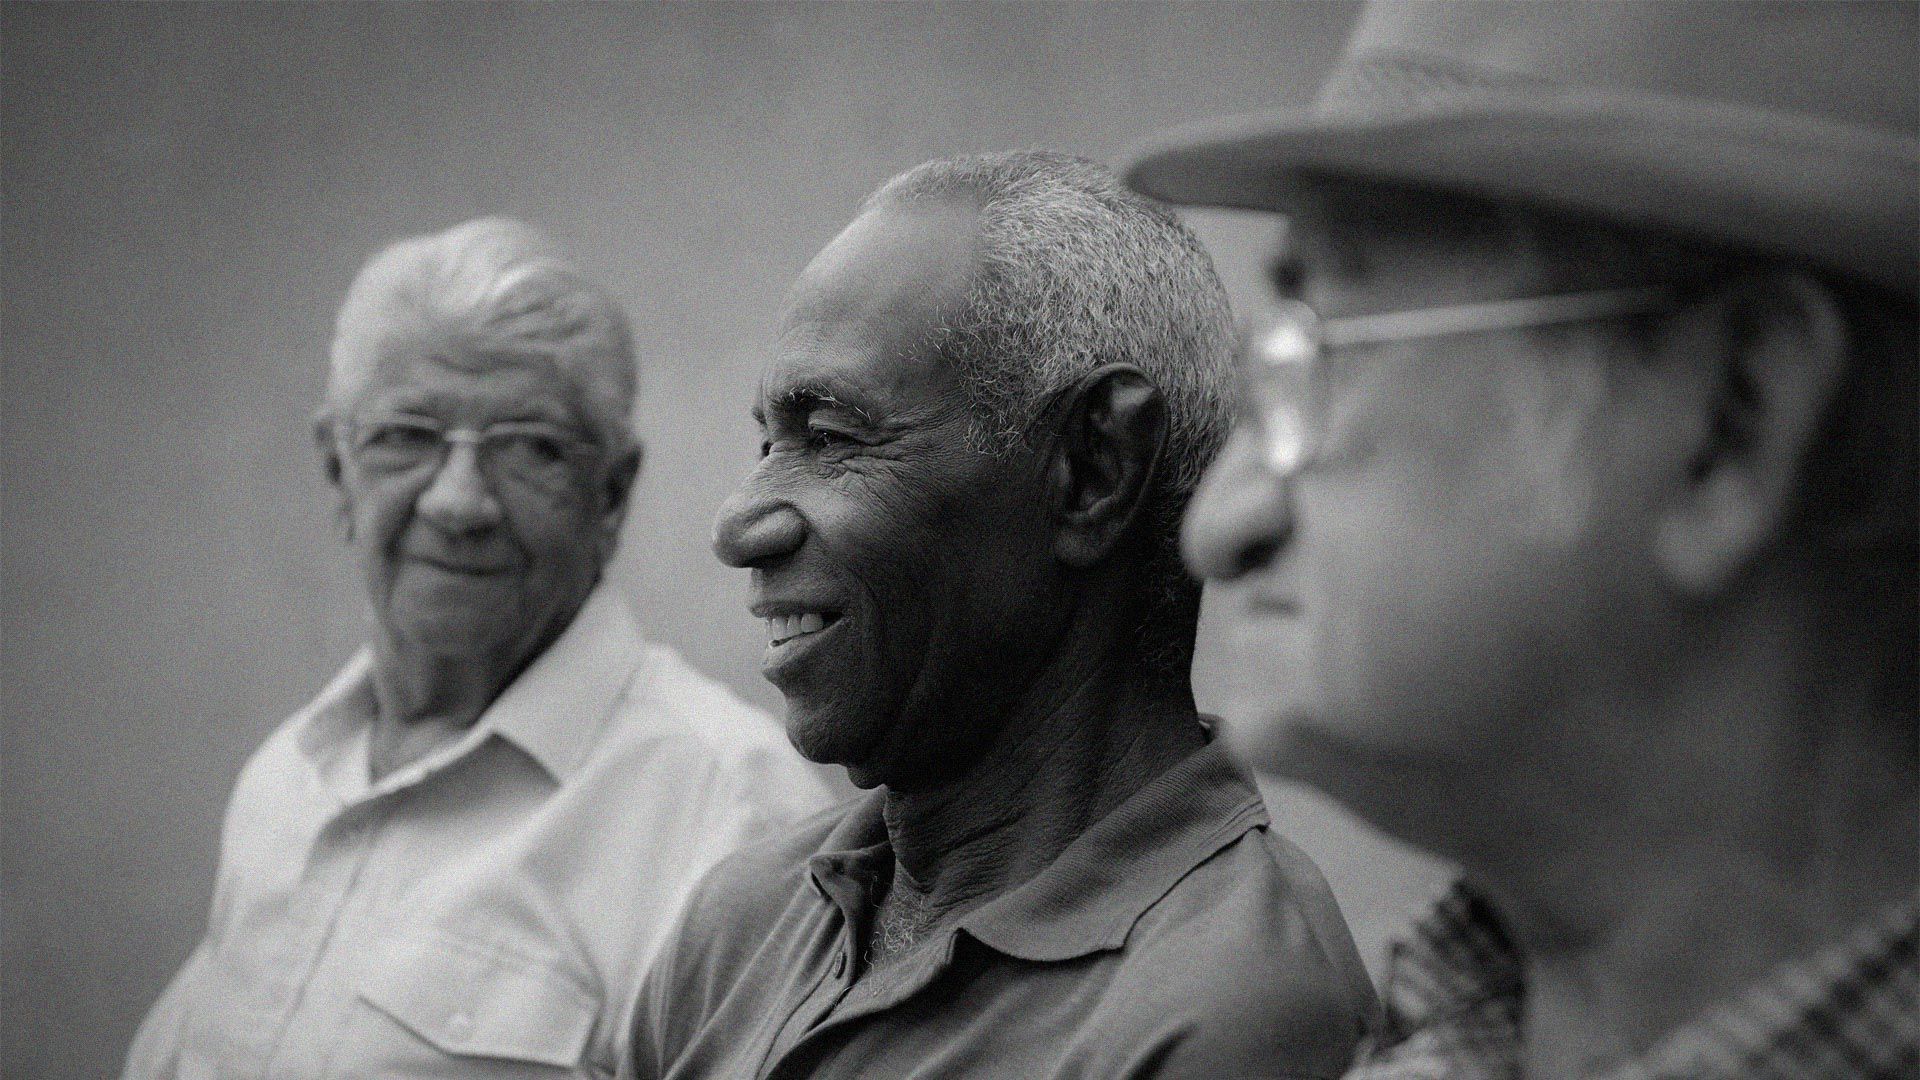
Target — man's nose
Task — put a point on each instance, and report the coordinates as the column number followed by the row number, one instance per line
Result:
column 458, row 499
column 754, row 530
column 1242, row 516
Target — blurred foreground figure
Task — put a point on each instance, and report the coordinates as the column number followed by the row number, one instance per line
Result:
column 458, row 860
column 1579, row 467
column 989, row 401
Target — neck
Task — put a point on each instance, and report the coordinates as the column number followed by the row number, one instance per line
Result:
column 423, row 700
column 1764, row 806
column 1080, row 742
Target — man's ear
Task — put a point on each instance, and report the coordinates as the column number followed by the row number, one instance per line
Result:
column 330, row 465
column 329, row 448
column 1778, row 350
column 621, row 475
column 1112, row 431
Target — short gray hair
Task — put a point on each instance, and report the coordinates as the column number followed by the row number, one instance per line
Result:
column 491, row 286
column 1076, row 272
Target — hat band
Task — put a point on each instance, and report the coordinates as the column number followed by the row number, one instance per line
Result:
column 1396, row 82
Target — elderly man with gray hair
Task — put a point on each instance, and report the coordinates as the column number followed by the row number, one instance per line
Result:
column 990, row 398
column 457, row 861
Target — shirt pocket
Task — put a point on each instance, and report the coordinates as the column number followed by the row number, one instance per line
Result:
column 472, row 1007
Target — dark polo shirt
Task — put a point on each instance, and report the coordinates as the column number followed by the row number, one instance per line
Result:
column 1179, row 936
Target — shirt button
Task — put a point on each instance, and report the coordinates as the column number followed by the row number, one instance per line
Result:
column 839, row 965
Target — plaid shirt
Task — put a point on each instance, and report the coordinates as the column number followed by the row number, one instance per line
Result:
column 1455, row 990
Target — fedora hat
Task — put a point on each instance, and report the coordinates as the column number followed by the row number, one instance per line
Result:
column 1791, row 129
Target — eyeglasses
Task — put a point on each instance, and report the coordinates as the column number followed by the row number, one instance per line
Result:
column 527, row 453
column 1283, row 352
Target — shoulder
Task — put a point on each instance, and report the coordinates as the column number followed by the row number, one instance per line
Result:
column 666, row 698
column 283, row 765
column 737, row 904
column 731, row 914
column 673, row 715
column 279, row 751
column 1247, row 965
column 753, row 884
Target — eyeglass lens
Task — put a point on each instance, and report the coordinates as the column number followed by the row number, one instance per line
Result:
column 527, row 454
column 1280, row 358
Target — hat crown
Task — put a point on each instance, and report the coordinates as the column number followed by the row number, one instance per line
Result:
column 1788, row 130
column 1850, row 63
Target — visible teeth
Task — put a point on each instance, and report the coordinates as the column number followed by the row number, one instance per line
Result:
column 783, row 627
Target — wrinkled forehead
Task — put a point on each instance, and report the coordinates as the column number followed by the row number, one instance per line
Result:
column 866, row 311
column 418, row 366
column 895, row 262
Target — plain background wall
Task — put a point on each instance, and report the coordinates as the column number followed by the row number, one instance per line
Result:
column 187, row 191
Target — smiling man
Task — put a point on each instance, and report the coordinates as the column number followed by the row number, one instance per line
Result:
column 458, row 860
column 1577, row 489
column 990, row 398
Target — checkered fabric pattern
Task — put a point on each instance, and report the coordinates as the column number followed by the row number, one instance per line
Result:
column 1455, row 991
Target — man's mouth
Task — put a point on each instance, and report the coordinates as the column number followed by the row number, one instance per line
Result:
column 784, row 628
column 467, row 567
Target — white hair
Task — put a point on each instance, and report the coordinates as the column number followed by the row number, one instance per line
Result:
column 1077, row 272
column 490, row 287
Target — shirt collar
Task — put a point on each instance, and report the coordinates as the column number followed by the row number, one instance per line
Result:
column 554, row 711
column 557, row 707
column 1089, row 898
column 1845, row 1011
column 1457, row 961
column 1456, row 988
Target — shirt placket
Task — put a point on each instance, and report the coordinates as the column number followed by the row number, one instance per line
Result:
column 334, row 893
column 334, row 875
column 826, row 995
column 852, row 1002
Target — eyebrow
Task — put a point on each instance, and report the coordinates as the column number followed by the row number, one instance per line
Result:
column 802, row 400
column 428, row 405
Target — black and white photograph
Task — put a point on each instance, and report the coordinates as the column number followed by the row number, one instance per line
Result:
column 945, row 540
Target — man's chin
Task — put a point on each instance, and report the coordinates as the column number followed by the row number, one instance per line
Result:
column 826, row 737
column 1302, row 746
column 1414, row 791
column 457, row 637
column 1269, row 742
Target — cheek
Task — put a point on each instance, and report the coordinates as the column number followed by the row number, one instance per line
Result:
column 1452, row 552
column 942, row 570
column 379, row 513
column 1499, row 454
column 881, row 541
column 559, row 540
column 904, row 540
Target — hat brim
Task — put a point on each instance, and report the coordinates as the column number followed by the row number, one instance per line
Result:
column 1842, row 197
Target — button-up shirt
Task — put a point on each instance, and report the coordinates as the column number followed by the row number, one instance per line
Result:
column 1179, row 936
column 1456, row 988
column 489, row 910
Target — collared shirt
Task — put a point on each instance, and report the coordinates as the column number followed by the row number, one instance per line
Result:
column 489, row 910
column 1179, row 936
column 1456, row 988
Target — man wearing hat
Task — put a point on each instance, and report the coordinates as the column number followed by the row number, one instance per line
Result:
column 1576, row 494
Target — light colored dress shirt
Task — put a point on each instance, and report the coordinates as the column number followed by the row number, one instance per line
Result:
column 490, row 910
